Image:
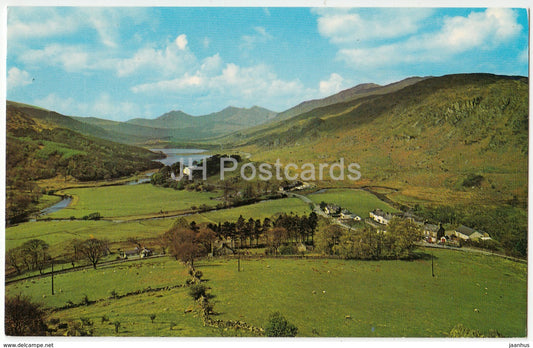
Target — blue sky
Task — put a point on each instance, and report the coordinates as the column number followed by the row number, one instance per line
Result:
column 121, row 63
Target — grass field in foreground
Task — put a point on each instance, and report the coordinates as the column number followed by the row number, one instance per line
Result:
column 357, row 201
column 131, row 200
column 382, row 298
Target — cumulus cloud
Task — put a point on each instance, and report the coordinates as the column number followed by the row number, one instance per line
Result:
column 362, row 41
column 17, row 78
column 181, row 41
column 231, row 83
column 334, row 84
column 71, row 58
column 343, row 26
column 174, row 58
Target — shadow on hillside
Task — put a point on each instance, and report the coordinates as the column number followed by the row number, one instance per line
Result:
column 420, row 255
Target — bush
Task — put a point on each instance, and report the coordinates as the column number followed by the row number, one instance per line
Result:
column 23, row 318
column 287, row 250
column 278, row 326
column 198, row 290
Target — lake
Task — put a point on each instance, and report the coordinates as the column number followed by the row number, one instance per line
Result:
column 181, row 155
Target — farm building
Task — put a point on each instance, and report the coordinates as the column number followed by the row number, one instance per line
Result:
column 380, row 216
column 467, row 233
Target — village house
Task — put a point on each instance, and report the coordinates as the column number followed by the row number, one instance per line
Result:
column 332, row 209
column 144, row 252
column 347, row 215
column 380, row 216
column 466, row 233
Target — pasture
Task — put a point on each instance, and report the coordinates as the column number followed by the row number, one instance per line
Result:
column 357, row 201
column 58, row 234
column 258, row 210
column 131, row 200
column 381, row 298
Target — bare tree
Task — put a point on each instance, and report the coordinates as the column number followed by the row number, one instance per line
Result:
column 36, row 251
column 94, row 249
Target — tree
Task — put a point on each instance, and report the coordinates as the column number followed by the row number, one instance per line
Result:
column 278, row 326
column 400, row 239
column 36, row 251
column 93, row 249
column 276, row 236
column 327, row 238
column 15, row 259
column 240, row 229
column 206, row 237
column 182, row 244
column 24, row 318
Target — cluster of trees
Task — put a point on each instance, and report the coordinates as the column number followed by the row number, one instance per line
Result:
column 212, row 167
column 34, row 254
column 284, row 228
column 187, row 241
column 398, row 242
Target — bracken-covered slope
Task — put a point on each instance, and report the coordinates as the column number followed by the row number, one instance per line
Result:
column 434, row 133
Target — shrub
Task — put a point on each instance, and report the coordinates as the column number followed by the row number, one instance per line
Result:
column 278, row 326
column 23, row 318
column 287, row 250
column 198, row 290
column 105, row 318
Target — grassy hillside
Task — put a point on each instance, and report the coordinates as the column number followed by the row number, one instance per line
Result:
column 434, row 133
column 322, row 297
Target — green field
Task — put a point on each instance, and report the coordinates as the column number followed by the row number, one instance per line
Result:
column 381, row 298
column 259, row 210
column 357, row 201
column 58, row 234
column 131, row 200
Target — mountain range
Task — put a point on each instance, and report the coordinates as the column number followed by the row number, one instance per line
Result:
column 421, row 131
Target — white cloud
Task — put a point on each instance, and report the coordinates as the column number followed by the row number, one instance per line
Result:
column 260, row 36
column 17, row 78
column 102, row 106
column 71, row 58
column 254, row 85
column 66, row 106
column 26, row 23
column 175, row 58
column 478, row 31
column 181, row 41
column 343, row 26
column 333, row 85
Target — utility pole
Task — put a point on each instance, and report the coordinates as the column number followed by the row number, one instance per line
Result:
column 52, row 277
column 432, row 272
